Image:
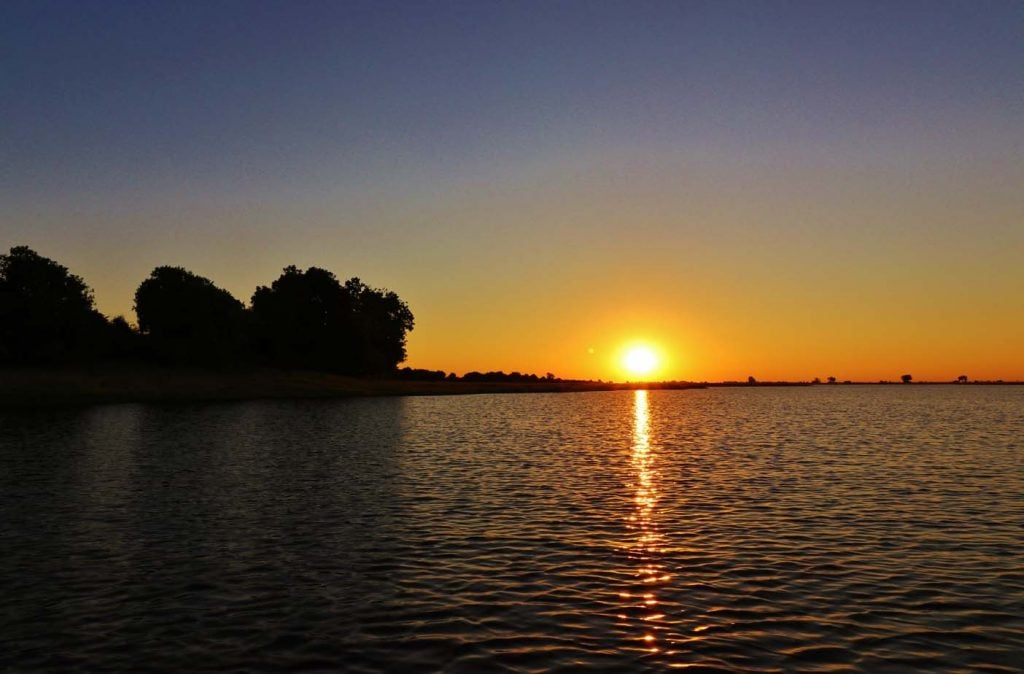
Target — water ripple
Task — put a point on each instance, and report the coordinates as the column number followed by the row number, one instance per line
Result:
column 838, row 529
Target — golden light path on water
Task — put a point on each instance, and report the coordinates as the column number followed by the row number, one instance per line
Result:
column 648, row 541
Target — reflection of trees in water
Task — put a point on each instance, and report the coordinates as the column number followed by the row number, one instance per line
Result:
column 199, row 518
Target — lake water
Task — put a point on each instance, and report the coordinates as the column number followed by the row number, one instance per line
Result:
column 828, row 528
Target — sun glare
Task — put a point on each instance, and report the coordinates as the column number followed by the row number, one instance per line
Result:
column 640, row 361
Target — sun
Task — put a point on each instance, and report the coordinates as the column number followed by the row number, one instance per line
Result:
column 640, row 361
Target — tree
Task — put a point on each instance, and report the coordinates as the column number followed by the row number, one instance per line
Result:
column 185, row 318
column 831, row 380
column 751, row 380
column 46, row 312
column 124, row 339
column 962, row 379
column 304, row 319
column 906, row 379
column 309, row 319
column 381, row 320
column 420, row 374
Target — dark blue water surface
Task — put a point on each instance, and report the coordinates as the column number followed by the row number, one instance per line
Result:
column 828, row 528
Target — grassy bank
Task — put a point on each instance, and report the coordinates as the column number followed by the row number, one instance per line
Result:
column 138, row 383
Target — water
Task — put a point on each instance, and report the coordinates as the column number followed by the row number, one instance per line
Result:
column 828, row 528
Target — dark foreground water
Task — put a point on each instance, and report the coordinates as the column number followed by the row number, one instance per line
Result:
column 818, row 529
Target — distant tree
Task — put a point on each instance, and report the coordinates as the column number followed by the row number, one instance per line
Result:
column 831, row 380
column 125, row 341
column 46, row 312
column 962, row 379
column 906, row 378
column 417, row 374
column 751, row 380
column 500, row 376
column 186, row 319
column 816, row 380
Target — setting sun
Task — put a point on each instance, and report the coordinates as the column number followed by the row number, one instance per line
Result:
column 640, row 361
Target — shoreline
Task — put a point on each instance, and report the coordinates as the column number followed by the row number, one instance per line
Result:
column 107, row 384
column 104, row 385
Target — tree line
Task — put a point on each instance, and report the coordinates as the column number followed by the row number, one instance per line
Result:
column 303, row 319
column 418, row 374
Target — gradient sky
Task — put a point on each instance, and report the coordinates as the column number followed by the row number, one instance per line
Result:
column 778, row 189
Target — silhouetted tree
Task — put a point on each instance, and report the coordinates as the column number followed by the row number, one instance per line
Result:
column 381, row 320
column 46, row 312
column 304, row 319
column 501, row 376
column 185, row 318
column 962, row 379
column 816, row 380
column 418, row 374
column 751, row 380
column 309, row 319
column 125, row 341
column 906, row 379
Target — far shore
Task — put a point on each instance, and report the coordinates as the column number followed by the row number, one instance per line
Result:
column 141, row 383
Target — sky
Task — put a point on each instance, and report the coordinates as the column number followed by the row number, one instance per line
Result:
column 784, row 190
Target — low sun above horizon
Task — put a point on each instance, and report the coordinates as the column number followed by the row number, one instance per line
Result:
column 640, row 360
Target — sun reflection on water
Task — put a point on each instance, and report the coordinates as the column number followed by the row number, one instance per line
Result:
column 648, row 542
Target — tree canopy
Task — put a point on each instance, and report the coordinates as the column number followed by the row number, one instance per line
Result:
column 305, row 318
column 309, row 319
column 382, row 319
column 46, row 312
column 187, row 319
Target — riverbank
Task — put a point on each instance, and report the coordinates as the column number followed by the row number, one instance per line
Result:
column 22, row 388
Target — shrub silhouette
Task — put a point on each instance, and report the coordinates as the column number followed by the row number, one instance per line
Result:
column 186, row 319
column 46, row 313
column 906, row 378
